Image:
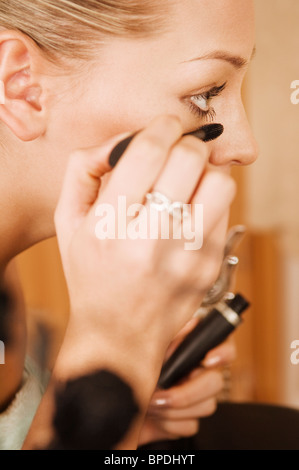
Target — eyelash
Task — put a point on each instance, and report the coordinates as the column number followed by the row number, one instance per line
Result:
column 210, row 114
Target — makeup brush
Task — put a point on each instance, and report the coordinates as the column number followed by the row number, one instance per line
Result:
column 93, row 412
column 205, row 133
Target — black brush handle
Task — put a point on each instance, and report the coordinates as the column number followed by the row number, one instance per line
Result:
column 209, row 333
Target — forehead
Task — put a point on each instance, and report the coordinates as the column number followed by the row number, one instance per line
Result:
column 200, row 26
column 194, row 28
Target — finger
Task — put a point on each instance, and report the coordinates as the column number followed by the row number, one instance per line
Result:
column 176, row 429
column 82, row 182
column 152, row 431
column 212, row 252
column 199, row 410
column 190, row 392
column 183, row 170
column 222, row 355
column 143, row 161
column 180, row 337
column 215, row 195
column 215, row 243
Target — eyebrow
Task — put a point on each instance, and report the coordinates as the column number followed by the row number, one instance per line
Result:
column 237, row 61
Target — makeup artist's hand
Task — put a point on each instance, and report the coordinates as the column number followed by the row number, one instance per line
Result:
column 150, row 283
column 175, row 413
column 130, row 298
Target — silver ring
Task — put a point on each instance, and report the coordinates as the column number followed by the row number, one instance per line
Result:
column 160, row 202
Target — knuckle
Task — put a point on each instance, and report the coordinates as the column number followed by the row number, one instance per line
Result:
column 219, row 382
column 192, row 428
column 177, row 273
column 150, row 146
column 76, row 158
column 152, row 142
column 198, row 147
column 169, row 121
column 190, row 155
column 185, row 428
column 77, row 155
column 216, row 381
column 211, row 406
column 141, row 259
column 185, row 397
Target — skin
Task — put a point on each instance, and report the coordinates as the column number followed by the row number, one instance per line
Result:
column 48, row 114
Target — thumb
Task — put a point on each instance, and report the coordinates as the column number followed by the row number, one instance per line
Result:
column 82, row 184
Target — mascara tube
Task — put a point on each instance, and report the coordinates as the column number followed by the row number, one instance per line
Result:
column 209, row 333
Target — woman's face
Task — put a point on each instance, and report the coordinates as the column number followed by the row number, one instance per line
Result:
column 194, row 70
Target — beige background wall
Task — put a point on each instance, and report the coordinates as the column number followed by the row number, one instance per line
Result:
column 273, row 189
column 272, row 183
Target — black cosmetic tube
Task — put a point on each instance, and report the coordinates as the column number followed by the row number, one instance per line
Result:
column 209, row 333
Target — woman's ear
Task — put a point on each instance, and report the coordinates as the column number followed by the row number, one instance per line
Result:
column 21, row 90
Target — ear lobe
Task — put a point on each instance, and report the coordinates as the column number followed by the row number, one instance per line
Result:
column 20, row 108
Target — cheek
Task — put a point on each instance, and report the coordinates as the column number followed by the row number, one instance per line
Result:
column 106, row 116
column 101, row 108
column 127, row 104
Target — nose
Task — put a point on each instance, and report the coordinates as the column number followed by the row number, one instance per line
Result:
column 237, row 145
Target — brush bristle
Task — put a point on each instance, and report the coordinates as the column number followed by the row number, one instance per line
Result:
column 212, row 131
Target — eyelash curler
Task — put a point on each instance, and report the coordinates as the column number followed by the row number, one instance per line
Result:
column 221, row 311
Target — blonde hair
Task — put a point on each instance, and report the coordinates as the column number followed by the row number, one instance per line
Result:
column 69, row 28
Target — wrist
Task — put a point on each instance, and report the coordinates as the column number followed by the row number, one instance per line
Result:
column 136, row 360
